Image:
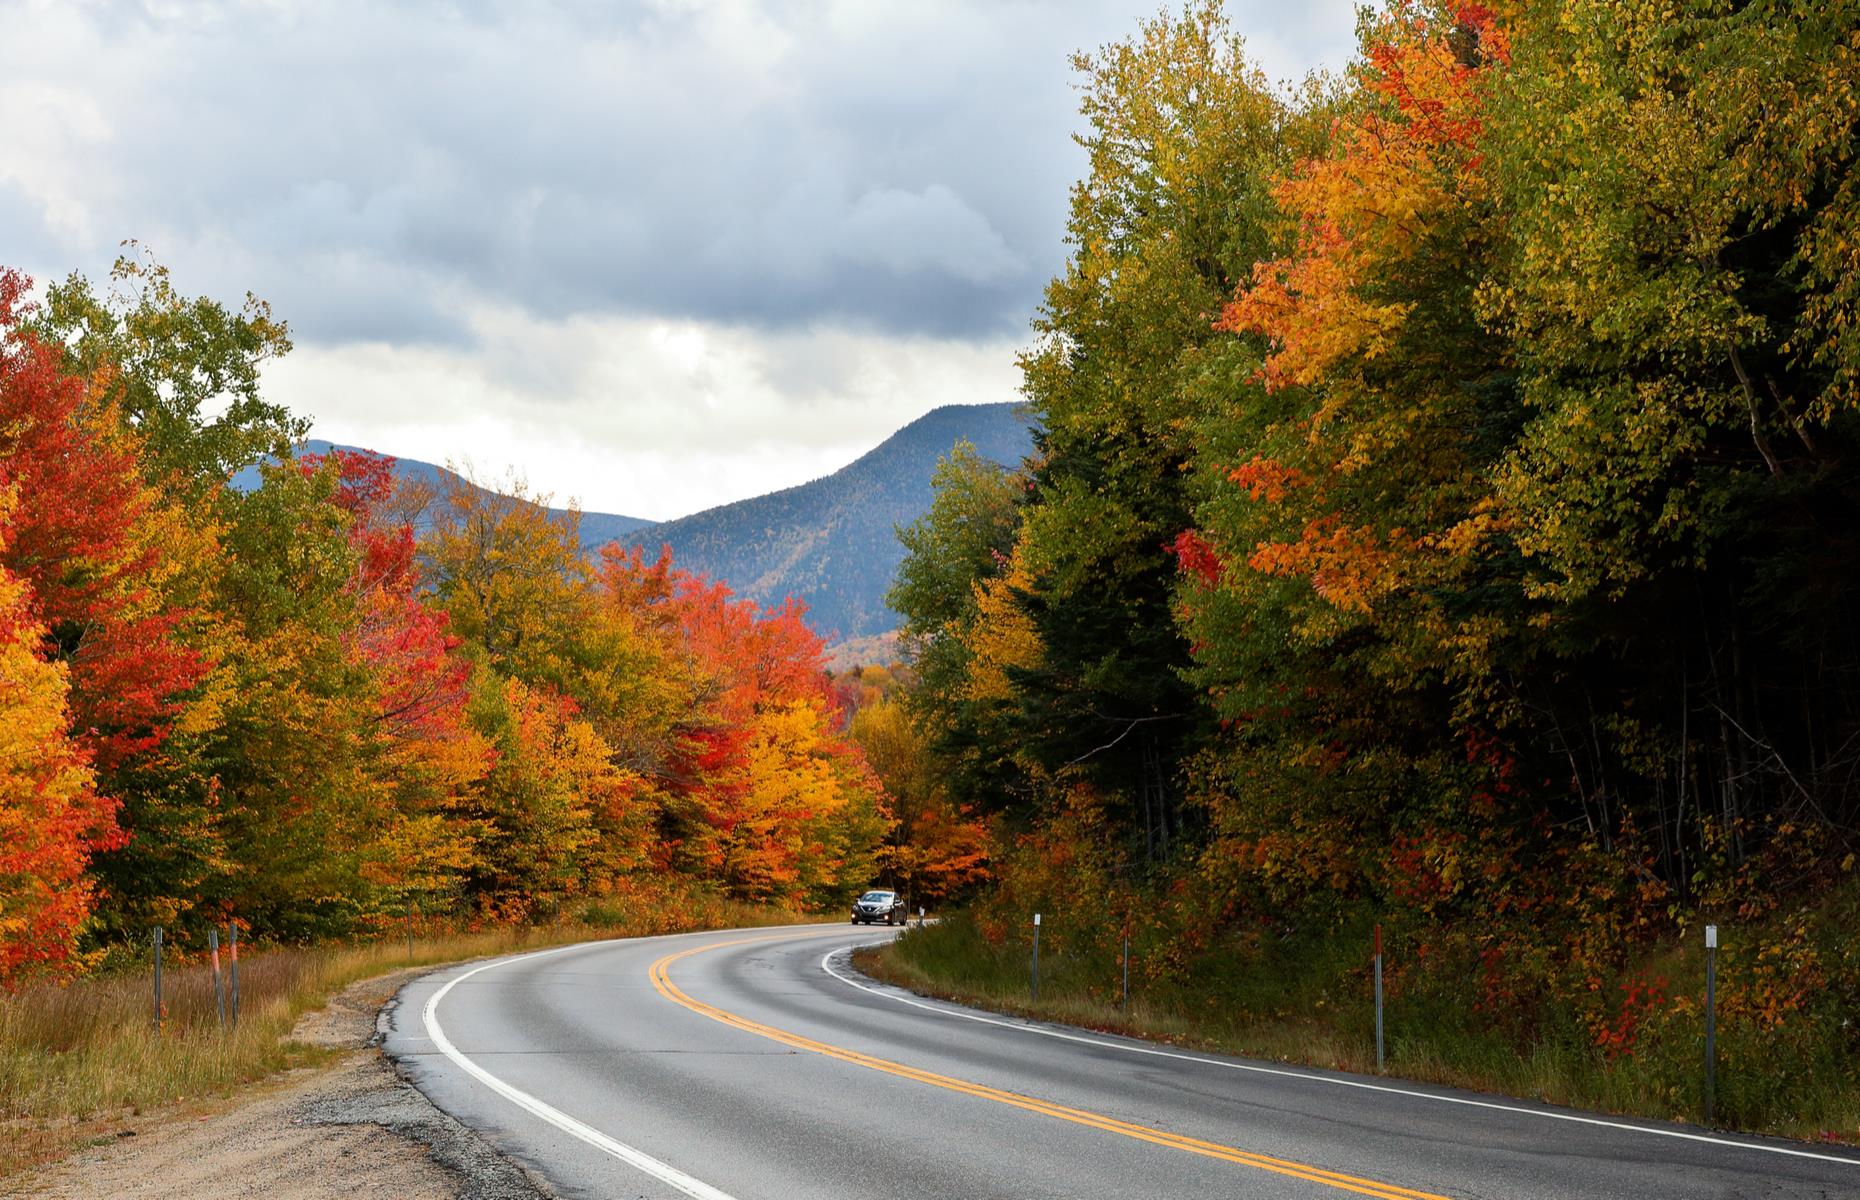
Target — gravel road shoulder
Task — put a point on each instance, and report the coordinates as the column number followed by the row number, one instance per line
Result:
column 352, row 1129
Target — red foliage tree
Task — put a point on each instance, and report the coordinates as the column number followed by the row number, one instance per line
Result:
column 85, row 537
column 424, row 685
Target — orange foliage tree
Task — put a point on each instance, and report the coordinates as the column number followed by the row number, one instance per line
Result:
column 430, row 752
column 51, row 819
column 758, row 785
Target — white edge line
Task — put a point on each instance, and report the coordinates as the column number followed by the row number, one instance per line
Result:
column 1309, row 1077
column 664, row 1172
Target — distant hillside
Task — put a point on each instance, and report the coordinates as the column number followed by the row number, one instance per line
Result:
column 597, row 529
column 832, row 542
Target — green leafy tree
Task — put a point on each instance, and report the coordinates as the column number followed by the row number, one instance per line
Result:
column 186, row 371
column 511, row 574
column 1183, row 135
column 962, row 540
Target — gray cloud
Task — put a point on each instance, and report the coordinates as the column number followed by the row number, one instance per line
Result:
column 658, row 255
column 371, row 168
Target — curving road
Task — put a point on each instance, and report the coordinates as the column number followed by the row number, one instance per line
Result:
column 757, row 1065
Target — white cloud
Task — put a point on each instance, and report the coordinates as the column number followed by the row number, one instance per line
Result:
column 641, row 416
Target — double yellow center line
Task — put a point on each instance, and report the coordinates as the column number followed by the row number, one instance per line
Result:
column 661, row 980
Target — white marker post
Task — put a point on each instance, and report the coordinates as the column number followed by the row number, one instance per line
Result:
column 1036, row 956
column 1711, row 1021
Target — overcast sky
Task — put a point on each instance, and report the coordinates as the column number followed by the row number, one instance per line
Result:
column 656, row 256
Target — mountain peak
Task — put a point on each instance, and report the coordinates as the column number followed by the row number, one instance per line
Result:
column 833, row 542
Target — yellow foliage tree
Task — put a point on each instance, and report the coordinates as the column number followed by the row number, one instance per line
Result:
column 1002, row 635
column 804, row 814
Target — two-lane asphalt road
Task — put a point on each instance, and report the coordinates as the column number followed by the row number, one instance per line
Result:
column 758, row 1065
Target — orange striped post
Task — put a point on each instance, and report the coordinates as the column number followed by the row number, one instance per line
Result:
column 158, row 979
column 232, row 939
column 219, row 994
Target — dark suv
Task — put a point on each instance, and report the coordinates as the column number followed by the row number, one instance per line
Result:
column 878, row 906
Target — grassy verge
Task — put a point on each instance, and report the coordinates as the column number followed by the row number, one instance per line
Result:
column 1309, row 1004
column 77, row 1061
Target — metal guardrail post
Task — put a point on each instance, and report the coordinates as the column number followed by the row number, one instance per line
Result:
column 1379, row 1059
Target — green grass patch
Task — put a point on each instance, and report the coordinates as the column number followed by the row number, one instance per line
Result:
column 1309, row 1001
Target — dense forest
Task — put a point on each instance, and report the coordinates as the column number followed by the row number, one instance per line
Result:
column 277, row 705
column 1443, row 516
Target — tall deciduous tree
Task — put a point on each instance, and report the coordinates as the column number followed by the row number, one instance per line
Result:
column 92, row 540
column 1183, row 134
column 183, row 371
column 105, row 565
column 963, row 539
column 511, row 574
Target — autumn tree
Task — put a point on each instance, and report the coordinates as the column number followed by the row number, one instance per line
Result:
column 534, row 811
column 425, row 748
column 963, row 539
column 937, row 848
column 105, row 564
column 1182, row 135
column 756, row 782
column 290, row 756
column 183, row 371
column 1336, row 586
column 510, row 573
column 1681, row 295
column 92, row 540
column 51, row 819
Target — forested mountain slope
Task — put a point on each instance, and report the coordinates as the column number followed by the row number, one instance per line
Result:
column 597, row 528
column 832, row 542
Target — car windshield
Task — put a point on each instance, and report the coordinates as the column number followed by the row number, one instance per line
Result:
column 875, row 897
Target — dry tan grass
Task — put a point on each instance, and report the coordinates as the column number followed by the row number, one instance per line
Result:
column 78, row 1060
